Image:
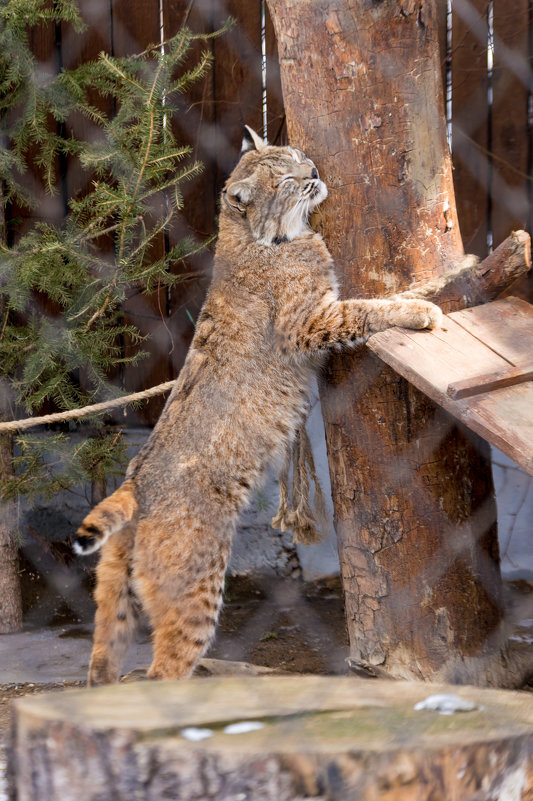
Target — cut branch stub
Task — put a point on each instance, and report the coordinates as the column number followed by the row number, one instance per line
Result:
column 472, row 283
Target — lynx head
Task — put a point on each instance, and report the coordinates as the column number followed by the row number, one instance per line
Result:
column 272, row 190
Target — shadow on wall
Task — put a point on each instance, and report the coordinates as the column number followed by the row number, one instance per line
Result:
column 514, row 496
column 258, row 548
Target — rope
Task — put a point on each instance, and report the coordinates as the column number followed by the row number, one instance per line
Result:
column 299, row 518
column 84, row 411
column 296, row 513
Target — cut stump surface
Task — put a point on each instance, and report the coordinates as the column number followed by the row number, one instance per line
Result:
column 327, row 737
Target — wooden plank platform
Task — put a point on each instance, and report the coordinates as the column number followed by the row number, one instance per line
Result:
column 273, row 739
column 477, row 367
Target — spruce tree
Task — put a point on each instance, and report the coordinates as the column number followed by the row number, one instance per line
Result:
column 137, row 170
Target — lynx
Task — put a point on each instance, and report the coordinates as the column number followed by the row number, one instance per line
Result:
column 270, row 317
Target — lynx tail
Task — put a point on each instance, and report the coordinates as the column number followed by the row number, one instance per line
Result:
column 110, row 516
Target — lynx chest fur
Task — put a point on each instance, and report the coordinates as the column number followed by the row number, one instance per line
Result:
column 270, row 316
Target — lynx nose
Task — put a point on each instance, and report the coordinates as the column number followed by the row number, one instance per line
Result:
column 314, row 173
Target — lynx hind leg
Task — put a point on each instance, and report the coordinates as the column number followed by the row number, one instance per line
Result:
column 183, row 599
column 117, row 609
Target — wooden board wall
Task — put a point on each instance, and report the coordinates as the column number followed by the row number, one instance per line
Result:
column 491, row 133
column 491, row 118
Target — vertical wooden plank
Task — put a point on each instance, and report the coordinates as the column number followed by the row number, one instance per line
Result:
column 48, row 208
column 276, row 125
column 470, row 127
column 45, row 44
column 510, row 118
column 193, row 122
column 237, row 81
column 76, row 49
column 135, row 25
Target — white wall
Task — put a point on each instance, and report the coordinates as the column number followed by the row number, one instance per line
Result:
column 514, row 496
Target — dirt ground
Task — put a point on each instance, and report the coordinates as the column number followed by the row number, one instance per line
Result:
column 285, row 624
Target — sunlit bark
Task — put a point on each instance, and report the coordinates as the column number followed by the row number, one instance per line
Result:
column 413, row 497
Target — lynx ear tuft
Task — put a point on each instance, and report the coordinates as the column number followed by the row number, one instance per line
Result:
column 251, row 140
column 239, row 194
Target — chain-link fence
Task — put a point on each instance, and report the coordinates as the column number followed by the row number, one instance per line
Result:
column 486, row 49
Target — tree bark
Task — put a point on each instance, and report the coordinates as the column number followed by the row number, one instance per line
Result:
column 10, row 595
column 413, row 497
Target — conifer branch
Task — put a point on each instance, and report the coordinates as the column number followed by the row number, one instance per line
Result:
column 115, row 69
column 135, row 159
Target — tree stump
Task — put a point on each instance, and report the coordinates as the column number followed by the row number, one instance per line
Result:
column 313, row 736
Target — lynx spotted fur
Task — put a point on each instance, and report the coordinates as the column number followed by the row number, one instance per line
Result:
column 270, row 316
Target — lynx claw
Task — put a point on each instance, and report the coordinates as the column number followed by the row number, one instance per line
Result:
column 434, row 316
column 424, row 314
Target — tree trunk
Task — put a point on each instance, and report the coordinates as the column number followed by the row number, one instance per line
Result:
column 10, row 597
column 413, row 497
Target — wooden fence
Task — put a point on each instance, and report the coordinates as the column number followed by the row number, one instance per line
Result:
column 486, row 55
column 487, row 48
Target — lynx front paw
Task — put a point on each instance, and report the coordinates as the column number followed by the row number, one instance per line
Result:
column 422, row 314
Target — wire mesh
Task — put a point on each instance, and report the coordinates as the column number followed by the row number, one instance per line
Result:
column 487, row 71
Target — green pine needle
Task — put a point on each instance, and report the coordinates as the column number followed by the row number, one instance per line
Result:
column 61, row 289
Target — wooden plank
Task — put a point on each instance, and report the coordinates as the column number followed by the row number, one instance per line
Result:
column 470, row 114
column 276, row 124
column 511, row 131
column 431, row 360
column 434, row 359
column 192, row 117
column 509, row 146
column 507, row 420
column 136, row 24
column 76, row 49
column 193, row 123
column 504, row 325
column 49, row 208
column 490, row 381
column 237, row 81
